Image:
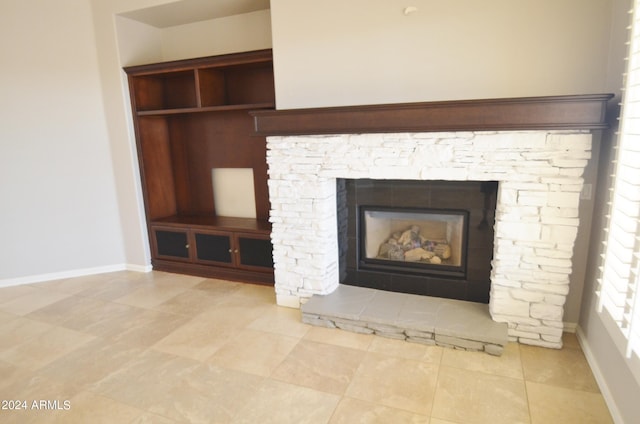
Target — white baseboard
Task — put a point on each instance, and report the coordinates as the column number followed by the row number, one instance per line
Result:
column 570, row 327
column 597, row 373
column 139, row 268
column 39, row 278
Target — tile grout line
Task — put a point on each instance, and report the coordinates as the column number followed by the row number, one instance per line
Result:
column 526, row 390
column 435, row 390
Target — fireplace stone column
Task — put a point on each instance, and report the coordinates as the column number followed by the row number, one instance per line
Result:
column 304, row 233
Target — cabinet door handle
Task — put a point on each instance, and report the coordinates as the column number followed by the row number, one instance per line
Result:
column 230, row 251
column 186, row 246
column 236, row 251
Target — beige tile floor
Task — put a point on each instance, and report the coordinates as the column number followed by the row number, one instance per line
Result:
column 162, row 348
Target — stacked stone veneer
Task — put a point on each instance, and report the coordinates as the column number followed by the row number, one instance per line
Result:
column 540, row 180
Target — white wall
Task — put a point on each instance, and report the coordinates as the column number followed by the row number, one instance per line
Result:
column 137, row 42
column 336, row 52
column 59, row 210
column 140, row 43
column 238, row 33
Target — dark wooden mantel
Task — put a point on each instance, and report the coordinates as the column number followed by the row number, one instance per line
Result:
column 523, row 113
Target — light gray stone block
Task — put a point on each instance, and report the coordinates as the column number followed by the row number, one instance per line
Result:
column 419, row 334
column 353, row 327
column 388, row 329
column 494, row 350
column 317, row 321
column 463, row 343
column 421, row 340
column 396, row 336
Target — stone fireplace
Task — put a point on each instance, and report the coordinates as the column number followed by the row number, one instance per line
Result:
column 539, row 175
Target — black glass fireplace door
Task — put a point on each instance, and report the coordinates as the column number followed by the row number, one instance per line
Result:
column 413, row 240
column 432, row 238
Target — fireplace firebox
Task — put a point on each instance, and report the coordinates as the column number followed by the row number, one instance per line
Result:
column 413, row 240
column 432, row 238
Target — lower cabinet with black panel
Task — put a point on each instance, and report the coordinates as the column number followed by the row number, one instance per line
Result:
column 214, row 247
column 171, row 243
column 253, row 251
column 234, row 252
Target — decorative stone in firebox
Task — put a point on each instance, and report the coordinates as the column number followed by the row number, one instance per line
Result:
column 411, row 246
column 414, row 236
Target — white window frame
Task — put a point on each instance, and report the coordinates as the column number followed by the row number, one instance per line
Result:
column 618, row 298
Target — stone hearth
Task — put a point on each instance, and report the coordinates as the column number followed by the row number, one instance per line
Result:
column 419, row 319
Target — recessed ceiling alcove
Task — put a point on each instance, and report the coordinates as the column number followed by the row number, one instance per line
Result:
column 192, row 28
column 190, row 11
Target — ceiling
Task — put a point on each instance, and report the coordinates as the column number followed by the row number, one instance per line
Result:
column 188, row 11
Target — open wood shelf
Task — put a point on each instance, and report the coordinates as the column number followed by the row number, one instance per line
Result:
column 251, row 106
column 230, row 223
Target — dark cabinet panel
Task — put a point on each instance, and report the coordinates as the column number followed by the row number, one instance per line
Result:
column 234, row 254
column 171, row 243
column 255, row 252
column 214, row 248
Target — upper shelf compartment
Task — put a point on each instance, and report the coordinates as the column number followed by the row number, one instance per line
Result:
column 167, row 90
column 236, row 85
column 228, row 82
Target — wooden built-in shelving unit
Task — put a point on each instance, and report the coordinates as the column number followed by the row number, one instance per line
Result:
column 191, row 116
